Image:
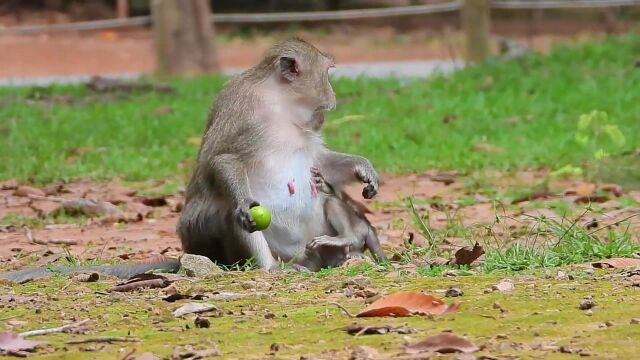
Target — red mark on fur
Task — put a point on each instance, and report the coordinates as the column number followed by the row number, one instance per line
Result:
column 292, row 190
column 314, row 190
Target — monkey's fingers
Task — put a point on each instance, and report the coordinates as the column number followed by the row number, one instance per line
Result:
column 369, row 191
column 245, row 221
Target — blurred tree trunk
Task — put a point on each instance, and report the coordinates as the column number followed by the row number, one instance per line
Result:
column 183, row 37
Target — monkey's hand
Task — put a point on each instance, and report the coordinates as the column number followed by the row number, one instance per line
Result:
column 368, row 175
column 318, row 182
column 243, row 217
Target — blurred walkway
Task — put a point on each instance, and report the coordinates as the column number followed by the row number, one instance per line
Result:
column 353, row 70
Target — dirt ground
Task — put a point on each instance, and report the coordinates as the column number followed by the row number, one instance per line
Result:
column 34, row 222
column 131, row 51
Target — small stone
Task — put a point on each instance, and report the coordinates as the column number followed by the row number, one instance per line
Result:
column 454, row 292
column 589, row 312
column 502, row 336
column 505, row 285
column 587, row 303
column 589, row 271
column 269, row 315
column 198, row 266
column 634, row 321
column 609, row 323
column 561, row 275
column 201, row 322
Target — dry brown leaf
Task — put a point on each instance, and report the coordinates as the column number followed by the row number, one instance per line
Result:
column 535, row 195
column 25, row 191
column 467, row 255
column 444, row 343
column 444, row 177
column 613, row 189
column 618, row 263
column 10, row 184
column 13, row 343
column 142, row 281
column 407, row 303
column 154, row 201
column 581, row 190
column 193, row 308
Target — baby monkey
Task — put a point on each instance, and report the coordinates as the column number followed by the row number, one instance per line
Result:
column 354, row 234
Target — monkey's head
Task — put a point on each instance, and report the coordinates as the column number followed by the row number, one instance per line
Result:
column 304, row 71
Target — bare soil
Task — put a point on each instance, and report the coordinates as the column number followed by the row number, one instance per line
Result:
column 131, row 51
column 454, row 205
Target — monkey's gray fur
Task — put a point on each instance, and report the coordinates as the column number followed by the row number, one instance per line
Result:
column 261, row 140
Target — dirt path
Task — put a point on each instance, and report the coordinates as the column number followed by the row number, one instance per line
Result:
column 130, row 52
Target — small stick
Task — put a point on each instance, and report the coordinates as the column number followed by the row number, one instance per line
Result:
column 53, row 330
column 363, row 330
column 349, row 314
column 127, row 356
column 55, row 242
column 108, row 339
column 9, row 317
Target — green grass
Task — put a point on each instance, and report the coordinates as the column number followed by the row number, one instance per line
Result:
column 531, row 109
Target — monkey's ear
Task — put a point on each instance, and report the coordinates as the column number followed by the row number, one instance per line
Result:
column 289, row 68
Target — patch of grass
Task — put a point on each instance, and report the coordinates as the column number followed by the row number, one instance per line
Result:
column 58, row 217
column 552, row 243
column 18, row 220
column 530, row 108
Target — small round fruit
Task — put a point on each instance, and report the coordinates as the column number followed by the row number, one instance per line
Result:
column 261, row 216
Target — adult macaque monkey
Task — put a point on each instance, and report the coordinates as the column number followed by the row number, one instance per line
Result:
column 259, row 145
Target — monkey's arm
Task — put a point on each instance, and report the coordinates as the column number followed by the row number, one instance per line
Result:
column 230, row 176
column 122, row 271
column 341, row 169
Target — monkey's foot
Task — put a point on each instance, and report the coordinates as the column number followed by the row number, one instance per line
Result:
column 325, row 240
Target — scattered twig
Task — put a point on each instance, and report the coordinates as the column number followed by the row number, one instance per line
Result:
column 9, row 317
column 108, row 339
column 363, row 330
column 29, row 235
column 613, row 224
column 55, row 242
column 349, row 314
column 53, row 330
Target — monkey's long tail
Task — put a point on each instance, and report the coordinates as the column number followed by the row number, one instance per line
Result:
column 122, row 271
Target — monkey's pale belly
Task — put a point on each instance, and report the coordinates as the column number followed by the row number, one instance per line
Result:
column 297, row 215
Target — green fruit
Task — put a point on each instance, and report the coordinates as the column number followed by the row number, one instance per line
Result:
column 260, row 216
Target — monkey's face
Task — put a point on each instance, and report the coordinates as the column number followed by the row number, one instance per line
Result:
column 308, row 79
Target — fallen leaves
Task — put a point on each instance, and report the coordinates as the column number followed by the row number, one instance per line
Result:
column 444, row 343
column 142, row 281
column 467, row 255
column 407, row 303
column 616, row 263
